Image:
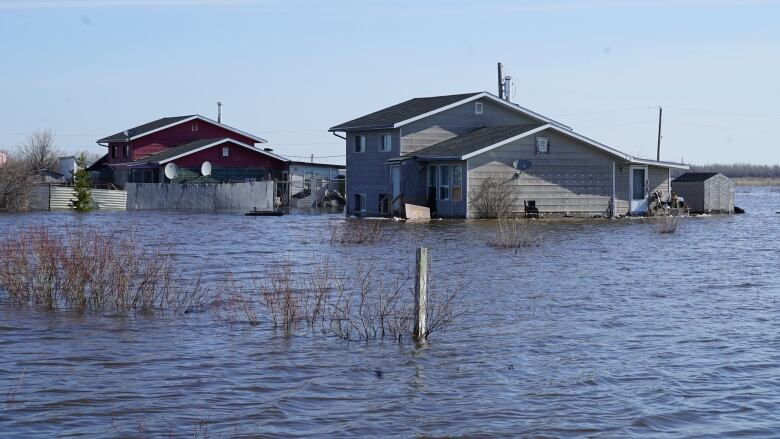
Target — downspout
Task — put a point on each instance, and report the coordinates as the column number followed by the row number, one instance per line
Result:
column 340, row 137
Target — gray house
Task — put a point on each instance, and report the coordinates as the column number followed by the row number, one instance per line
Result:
column 435, row 151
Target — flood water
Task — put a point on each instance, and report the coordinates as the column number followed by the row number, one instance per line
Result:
column 608, row 329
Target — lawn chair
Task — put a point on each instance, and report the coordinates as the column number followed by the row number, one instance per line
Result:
column 531, row 211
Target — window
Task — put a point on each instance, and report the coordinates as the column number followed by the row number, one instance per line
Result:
column 195, row 126
column 225, row 151
column 478, row 108
column 113, row 151
column 385, row 142
column 431, row 183
column 457, row 182
column 307, row 175
column 127, row 150
column 542, row 145
column 360, row 144
column 444, row 182
column 360, row 203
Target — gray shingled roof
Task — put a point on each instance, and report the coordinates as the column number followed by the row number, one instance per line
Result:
column 459, row 146
column 389, row 116
column 194, row 145
column 140, row 129
column 695, row 176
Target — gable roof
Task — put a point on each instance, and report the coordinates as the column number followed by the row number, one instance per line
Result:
column 418, row 108
column 473, row 141
column 176, row 152
column 482, row 140
column 695, row 176
column 167, row 122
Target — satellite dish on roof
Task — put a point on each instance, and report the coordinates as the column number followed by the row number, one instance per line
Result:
column 171, row 171
column 205, row 169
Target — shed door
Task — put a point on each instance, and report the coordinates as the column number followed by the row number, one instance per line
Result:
column 638, row 189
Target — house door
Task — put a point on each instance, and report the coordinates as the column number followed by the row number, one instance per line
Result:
column 395, row 177
column 638, row 188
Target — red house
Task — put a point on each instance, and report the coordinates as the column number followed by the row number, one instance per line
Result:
column 140, row 154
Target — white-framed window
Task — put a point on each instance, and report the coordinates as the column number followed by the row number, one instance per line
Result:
column 542, row 145
column 360, row 202
column 444, row 182
column 478, row 108
column 127, row 150
column 360, row 144
column 194, row 126
column 225, row 151
column 432, row 171
column 457, row 182
column 385, row 142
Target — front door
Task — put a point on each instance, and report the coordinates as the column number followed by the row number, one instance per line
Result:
column 395, row 177
column 638, row 188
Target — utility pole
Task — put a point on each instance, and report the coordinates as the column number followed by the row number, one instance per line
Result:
column 660, row 115
column 500, row 79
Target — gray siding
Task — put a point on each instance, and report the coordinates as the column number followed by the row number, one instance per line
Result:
column 368, row 172
column 658, row 179
column 454, row 122
column 574, row 177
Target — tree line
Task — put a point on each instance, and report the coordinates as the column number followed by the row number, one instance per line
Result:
column 740, row 170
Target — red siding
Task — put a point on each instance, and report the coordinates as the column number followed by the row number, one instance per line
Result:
column 173, row 136
column 239, row 157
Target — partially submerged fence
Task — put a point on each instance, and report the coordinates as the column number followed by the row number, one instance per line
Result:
column 201, row 196
column 51, row 197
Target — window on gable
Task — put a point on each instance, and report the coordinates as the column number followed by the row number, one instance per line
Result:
column 195, row 126
column 542, row 145
column 385, row 142
column 478, row 108
column 225, row 151
column 360, row 143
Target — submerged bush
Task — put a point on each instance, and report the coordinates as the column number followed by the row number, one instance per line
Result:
column 515, row 233
column 492, row 199
column 667, row 223
column 362, row 302
column 84, row 268
column 355, row 231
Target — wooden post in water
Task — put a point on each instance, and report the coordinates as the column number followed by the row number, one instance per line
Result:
column 421, row 295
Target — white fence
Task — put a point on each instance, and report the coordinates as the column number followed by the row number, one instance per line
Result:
column 201, row 196
column 62, row 198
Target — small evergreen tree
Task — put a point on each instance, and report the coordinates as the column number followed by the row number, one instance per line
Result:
column 82, row 185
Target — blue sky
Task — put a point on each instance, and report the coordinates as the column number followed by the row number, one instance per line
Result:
column 288, row 70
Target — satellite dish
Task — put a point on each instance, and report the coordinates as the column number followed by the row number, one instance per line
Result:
column 521, row 165
column 171, row 171
column 205, row 169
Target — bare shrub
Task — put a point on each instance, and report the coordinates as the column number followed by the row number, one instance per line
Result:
column 492, row 199
column 516, row 233
column 364, row 302
column 667, row 223
column 355, row 231
column 38, row 151
column 16, row 184
column 84, row 268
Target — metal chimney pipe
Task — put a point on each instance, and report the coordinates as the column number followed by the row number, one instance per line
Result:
column 500, row 78
column 219, row 111
column 507, row 87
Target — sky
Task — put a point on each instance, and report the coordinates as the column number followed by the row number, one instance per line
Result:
column 288, row 70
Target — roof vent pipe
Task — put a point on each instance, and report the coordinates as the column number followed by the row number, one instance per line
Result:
column 219, row 112
column 500, row 76
column 507, row 87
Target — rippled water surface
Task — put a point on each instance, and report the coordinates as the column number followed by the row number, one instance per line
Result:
column 607, row 329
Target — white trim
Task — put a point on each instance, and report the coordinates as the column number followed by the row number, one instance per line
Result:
column 504, row 142
column 205, row 119
column 485, row 95
column 657, row 163
column 219, row 142
column 646, row 184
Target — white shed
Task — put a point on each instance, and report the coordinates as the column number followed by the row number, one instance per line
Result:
column 705, row 192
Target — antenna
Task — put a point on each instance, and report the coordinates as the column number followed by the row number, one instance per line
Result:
column 205, row 169
column 171, row 171
column 219, row 111
column 500, row 78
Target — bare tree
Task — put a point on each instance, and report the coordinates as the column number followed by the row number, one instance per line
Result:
column 38, row 151
column 15, row 185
